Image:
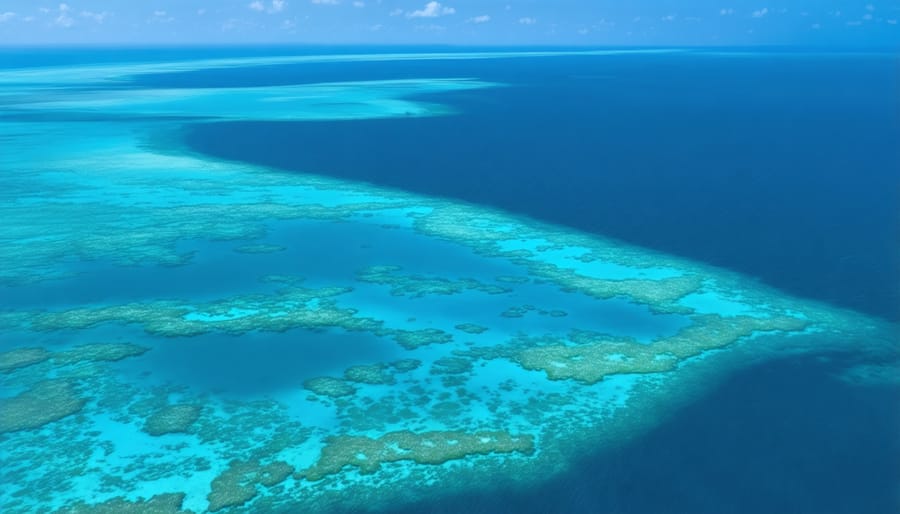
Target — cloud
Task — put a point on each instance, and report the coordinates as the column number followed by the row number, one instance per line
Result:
column 98, row 17
column 484, row 18
column 6, row 16
column 431, row 10
column 430, row 28
column 760, row 13
column 726, row 12
column 359, row 4
column 275, row 7
column 325, row 2
column 161, row 16
column 63, row 17
column 527, row 21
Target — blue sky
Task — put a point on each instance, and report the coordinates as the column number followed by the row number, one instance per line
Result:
column 463, row 22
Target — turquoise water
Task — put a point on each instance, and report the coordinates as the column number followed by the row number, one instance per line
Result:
column 185, row 332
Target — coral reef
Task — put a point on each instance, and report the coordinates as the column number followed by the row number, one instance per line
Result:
column 169, row 503
column 418, row 286
column 22, row 357
column 240, row 483
column 47, row 401
column 172, row 419
column 369, row 454
column 375, row 374
column 406, row 365
column 471, row 328
column 412, row 339
column 330, row 387
column 451, row 366
column 99, row 352
column 594, row 357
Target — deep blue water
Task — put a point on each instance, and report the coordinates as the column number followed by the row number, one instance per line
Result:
column 784, row 168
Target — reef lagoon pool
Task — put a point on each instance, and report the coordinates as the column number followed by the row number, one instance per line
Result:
column 486, row 281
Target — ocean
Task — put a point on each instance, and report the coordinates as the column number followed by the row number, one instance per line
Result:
column 449, row 279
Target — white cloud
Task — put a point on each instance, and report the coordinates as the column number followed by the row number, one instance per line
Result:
column 726, row 12
column 201, row 12
column 161, row 16
column 359, row 4
column 325, row 2
column 396, row 12
column 6, row 16
column 760, row 13
column 431, row 28
column 484, row 18
column 432, row 10
column 870, row 7
column 275, row 7
column 98, row 17
column 669, row 17
column 63, row 19
column 527, row 21
column 892, row 22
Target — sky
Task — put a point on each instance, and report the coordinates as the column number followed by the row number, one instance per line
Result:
column 867, row 23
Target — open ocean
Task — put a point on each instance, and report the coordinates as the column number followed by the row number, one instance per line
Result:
column 449, row 280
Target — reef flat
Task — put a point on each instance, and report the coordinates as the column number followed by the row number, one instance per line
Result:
column 186, row 334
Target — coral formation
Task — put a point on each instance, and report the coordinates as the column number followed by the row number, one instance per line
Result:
column 22, row 357
column 47, row 401
column 369, row 454
column 471, row 328
column 330, row 387
column 172, row 419
column 375, row 374
column 418, row 286
column 412, row 339
column 451, row 366
column 99, row 352
column 594, row 357
column 240, row 483
column 405, row 365
column 169, row 503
